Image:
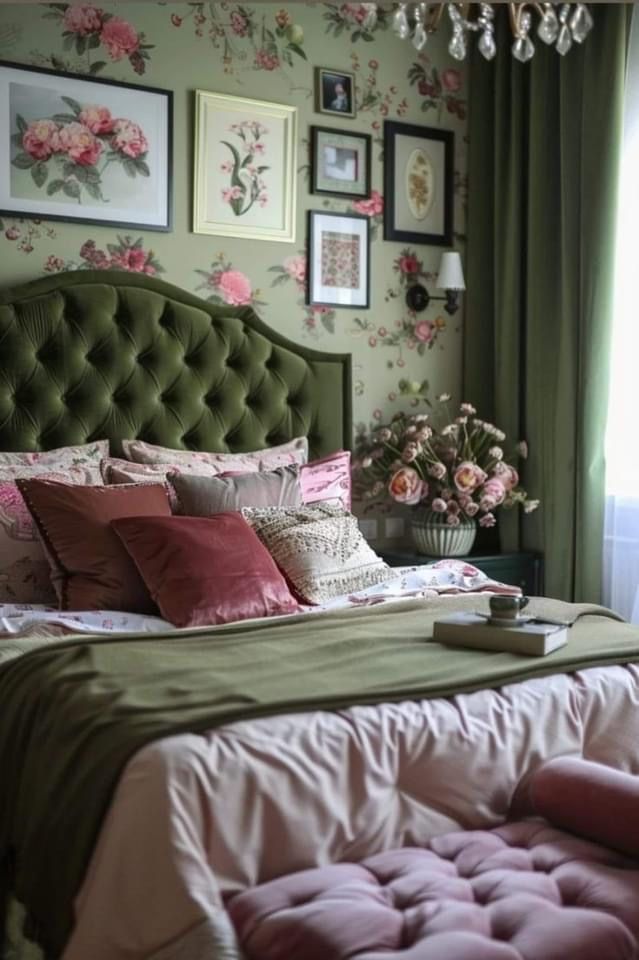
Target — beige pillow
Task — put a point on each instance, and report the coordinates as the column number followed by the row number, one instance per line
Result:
column 82, row 455
column 205, row 496
column 319, row 548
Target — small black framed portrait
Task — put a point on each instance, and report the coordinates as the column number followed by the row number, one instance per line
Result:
column 335, row 92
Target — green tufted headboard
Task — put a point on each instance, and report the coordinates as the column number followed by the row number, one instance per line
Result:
column 88, row 355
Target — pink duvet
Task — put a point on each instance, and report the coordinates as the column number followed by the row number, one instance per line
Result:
column 196, row 818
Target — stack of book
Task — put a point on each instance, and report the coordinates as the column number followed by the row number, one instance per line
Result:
column 524, row 635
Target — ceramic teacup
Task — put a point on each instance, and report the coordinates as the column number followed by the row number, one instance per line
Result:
column 507, row 608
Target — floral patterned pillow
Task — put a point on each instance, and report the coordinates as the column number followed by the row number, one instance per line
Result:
column 319, row 548
column 82, row 455
column 295, row 451
column 25, row 573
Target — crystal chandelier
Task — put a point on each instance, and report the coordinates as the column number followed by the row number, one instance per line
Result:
column 559, row 24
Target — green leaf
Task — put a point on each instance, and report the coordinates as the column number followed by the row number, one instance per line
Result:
column 80, row 173
column 328, row 321
column 356, row 35
column 39, row 172
column 54, row 187
column 142, row 167
column 129, row 166
column 97, row 66
column 93, row 190
column 16, row 139
column 114, row 248
column 368, row 37
column 295, row 47
column 235, row 180
column 62, row 7
column 67, row 41
column 262, row 169
column 21, row 123
column 236, row 205
column 23, row 161
column 92, row 175
column 279, row 279
column 138, row 244
column 80, row 45
column 64, row 117
column 94, row 41
column 68, row 169
column 75, row 106
column 72, row 189
column 276, row 269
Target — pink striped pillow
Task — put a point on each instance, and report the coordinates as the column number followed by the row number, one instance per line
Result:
column 327, row 479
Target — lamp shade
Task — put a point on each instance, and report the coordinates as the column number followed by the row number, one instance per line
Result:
column 451, row 275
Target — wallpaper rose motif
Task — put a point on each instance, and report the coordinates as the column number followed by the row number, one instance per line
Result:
column 71, row 144
column 441, row 91
column 225, row 284
column 248, row 39
column 314, row 318
column 86, row 28
column 356, row 19
column 126, row 254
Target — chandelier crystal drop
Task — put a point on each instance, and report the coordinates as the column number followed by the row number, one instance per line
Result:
column 559, row 25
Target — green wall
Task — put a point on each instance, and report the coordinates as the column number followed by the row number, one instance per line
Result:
column 224, row 47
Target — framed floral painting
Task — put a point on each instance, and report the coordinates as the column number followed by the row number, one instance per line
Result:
column 76, row 148
column 245, row 173
column 338, row 259
column 418, row 180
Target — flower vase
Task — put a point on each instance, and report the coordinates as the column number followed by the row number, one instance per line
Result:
column 433, row 536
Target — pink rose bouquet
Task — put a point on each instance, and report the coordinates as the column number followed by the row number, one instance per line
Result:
column 458, row 469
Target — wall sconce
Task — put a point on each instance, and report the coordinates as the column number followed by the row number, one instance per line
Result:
column 450, row 279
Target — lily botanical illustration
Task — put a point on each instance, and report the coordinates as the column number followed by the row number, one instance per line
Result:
column 245, row 170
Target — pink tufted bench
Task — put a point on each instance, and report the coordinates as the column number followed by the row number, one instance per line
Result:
column 522, row 891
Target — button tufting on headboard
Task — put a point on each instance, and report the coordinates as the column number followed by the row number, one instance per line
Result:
column 94, row 354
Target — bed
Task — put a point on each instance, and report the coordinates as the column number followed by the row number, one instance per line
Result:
column 317, row 737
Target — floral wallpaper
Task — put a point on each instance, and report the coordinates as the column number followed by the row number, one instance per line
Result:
column 265, row 51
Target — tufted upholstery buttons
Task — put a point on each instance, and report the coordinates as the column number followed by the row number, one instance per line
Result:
column 128, row 350
column 476, row 894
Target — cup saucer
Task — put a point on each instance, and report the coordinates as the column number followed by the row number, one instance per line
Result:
column 510, row 621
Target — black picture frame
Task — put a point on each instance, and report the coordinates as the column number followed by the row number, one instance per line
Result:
column 316, row 285
column 341, row 140
column 328, row 95
column 64, row 168
column 403, row 160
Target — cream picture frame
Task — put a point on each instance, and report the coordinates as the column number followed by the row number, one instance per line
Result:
column 245, row 177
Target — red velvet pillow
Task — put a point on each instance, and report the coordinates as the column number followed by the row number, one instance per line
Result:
column 90, row 569
column 203, row 570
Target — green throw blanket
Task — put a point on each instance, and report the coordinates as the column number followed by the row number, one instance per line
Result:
column 74, row 711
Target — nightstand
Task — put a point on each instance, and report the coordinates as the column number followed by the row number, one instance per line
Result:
column 525, row 570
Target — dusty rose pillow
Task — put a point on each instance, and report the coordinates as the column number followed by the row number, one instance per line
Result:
column 90, row 569
column 202, row 570
column 25, row 574
column 327, row 479
column 295, row 451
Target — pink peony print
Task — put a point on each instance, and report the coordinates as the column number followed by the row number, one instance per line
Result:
column 41, row 139
column 451, row 80
column 82, row 19
column 120, row 38
column 235, row 288
column 408, row 264
column 97, row 119
column 295, row 267
column 80, row 144
column 423, row 331
column 129, row 139
column 133, row 259
column 239, row 24
column 373, row 207
column 54, row 264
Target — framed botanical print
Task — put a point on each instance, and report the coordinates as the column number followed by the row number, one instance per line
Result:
column 418, row 181
column 76, row 148
column 245, row 173
column 338, row 259
column 340, row 163
column 335, row 92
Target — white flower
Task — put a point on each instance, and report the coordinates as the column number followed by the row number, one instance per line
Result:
column 468, row 409
column 530, row 505
column 522, row 449
column 443, row 397
column 366, row 462
column 496, row 452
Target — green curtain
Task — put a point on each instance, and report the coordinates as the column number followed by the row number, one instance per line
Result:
column 544, row 147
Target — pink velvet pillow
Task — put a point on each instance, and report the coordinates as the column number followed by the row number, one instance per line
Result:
column 327, row 479
column 205, row 570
